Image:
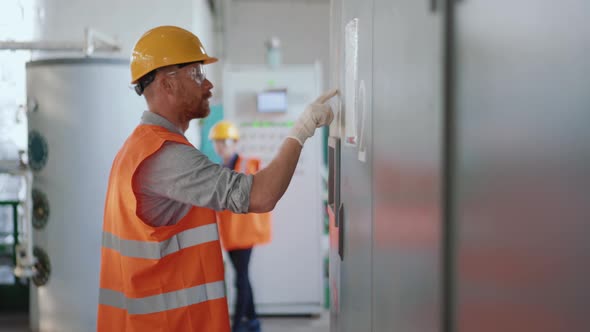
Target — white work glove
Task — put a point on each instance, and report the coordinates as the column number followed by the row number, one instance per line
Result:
column 316, row 114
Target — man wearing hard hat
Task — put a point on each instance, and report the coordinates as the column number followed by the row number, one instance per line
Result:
column 161, row 263
column 239, row 233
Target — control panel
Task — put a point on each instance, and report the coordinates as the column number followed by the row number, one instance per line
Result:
column 265, row 103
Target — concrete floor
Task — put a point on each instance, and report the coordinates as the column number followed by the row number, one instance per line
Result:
column 320, row 324
column 19, row 323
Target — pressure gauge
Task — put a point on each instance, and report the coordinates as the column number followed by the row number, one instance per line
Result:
column 37, row 150
column 40, row 209
column 42, row 267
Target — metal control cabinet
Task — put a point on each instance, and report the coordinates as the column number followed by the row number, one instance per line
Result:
column 521, row 185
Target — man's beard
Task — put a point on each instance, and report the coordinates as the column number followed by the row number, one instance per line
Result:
column 201, row 112
column 205, row 111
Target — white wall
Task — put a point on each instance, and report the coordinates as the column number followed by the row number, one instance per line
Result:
column 125, row 20
column 302, row 27
column 203, row 26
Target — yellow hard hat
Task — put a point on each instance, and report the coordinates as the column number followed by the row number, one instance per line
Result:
column 224, row 130
column 165, row 46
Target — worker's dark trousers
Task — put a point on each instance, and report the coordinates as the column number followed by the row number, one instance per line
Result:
column 244, row 306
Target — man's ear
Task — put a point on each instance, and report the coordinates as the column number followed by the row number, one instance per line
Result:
column 168, row 84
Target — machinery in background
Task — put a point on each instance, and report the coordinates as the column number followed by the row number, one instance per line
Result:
column 264, row 102
column 30, row 207
column 83, row 111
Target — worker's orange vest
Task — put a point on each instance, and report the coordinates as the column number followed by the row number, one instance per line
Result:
column 166, row 278
column 242, row 231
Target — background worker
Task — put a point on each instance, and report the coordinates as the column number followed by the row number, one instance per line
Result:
column 239, row 233
column 161, row 263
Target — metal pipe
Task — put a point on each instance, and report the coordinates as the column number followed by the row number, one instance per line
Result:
column 106, row 42
column 94, row 41
column 54, row 46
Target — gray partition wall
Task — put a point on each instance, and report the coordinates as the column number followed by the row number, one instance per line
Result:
column 460, row 166
column 522, row 165
column 407, row 114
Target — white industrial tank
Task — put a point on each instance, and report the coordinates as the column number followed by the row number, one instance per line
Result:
column 80, row 113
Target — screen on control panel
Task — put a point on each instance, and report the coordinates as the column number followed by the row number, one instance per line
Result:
column 272, row 101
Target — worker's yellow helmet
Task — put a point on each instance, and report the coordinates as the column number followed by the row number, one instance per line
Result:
column 224, row 130
column 165, row 46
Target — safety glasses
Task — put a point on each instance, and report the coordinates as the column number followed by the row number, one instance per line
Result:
column 196, row 72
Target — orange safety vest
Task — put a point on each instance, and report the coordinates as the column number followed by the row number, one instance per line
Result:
column 242, row 231
column 168, row 278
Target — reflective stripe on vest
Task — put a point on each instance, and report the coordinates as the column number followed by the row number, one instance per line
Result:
column 162, row 302
column 156, row 250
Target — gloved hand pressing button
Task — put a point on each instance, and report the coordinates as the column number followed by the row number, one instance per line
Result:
column 317, row 114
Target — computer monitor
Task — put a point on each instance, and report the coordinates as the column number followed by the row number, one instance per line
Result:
column 272, row 101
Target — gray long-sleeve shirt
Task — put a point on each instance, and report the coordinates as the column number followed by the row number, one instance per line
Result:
column 178, row 176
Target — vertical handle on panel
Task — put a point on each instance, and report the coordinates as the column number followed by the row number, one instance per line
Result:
column 334, row 203
column 334, row 176
column 340, row 218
